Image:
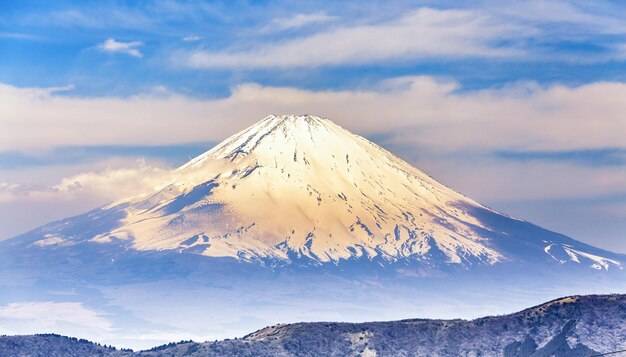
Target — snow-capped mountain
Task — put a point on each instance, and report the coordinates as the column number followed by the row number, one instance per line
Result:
column 293, row 219
column 301, row 188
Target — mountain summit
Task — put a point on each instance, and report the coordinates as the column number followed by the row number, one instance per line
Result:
column 299, row 188
column 303, row 186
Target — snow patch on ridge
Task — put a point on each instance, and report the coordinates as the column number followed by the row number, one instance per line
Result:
column 50, row 239
column 563, row 253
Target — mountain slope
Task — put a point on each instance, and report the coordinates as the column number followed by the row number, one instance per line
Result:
column 572, row 326
column 302, row 189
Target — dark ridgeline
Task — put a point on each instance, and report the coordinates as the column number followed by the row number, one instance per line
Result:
column 578, row 326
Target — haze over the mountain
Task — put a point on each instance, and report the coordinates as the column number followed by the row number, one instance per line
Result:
column 293, row 219
column 301, row 188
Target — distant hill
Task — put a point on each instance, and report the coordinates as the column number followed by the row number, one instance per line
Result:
column 572, row 326
column 53, row 345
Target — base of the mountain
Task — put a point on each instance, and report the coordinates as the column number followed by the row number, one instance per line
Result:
column 572, row 326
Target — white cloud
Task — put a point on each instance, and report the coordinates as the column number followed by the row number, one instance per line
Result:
column 129, row 48
column 422, row 33
column 108, row 184
column 297, row 21
column 68, row 318
column 521, row 117
column 78, row 189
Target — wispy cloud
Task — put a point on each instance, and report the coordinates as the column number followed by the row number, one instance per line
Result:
column 100, row 16
column 73, row 189
column 537, row 30
column 69, row 318
column 522, row 31
column 297, row 21
column 620, row 51
column 104, row 185
column 18, row 36
column 597, row 157
column 192, row 38
column 424, row 33
column 580, row 17
column 130, row 48
column 521, row 117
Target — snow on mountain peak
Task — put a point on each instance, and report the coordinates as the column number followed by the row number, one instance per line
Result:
column 300, row 187
column 283, row 131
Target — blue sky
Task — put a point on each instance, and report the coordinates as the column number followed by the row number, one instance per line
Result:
column 59, row 43
column 518, row 105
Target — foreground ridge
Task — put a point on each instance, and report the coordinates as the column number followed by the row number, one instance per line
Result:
column 570, row 326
